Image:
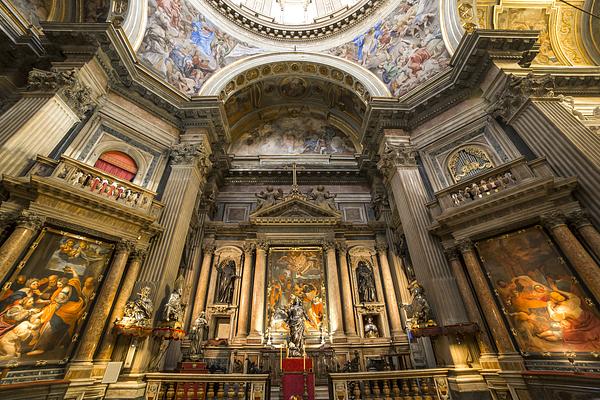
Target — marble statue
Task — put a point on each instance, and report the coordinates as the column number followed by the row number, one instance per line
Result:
column 371, row 330
column 323, row 198
column 418, row 311
column 174, row 308
column 226, row 282
column 268, row 198
column 196, row 336
column 366, row 283
column 295, row 321
column 138, row 312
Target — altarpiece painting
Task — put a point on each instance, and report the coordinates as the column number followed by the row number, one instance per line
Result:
column 296, row 273
column 545, row 304
column 43, row 305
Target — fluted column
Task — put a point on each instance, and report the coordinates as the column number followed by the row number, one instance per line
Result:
column 28, row 225
column 333, row 291
column 347, row 303
column 189, row 166
column 246, row 291
column 208, row 249
column 398, row 164
column 258, row 298
column 588, row 232
column 493, row 315
column 99, row 314
column 483, row 340
column 391, row 301
column 579, row 258
column 108, row 342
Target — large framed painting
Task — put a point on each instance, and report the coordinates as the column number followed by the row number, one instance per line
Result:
column 44, row 302
column 546, row 306
column 296, row 272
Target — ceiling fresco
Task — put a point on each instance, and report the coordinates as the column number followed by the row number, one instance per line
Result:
column 186, row 48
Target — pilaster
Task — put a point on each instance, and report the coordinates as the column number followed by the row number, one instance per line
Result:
column 259, row 295
column 334, row 301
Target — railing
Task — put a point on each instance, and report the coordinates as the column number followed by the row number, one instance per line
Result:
column 425, row 384
column 485, row 185
column 180, row 386
column 85, row 178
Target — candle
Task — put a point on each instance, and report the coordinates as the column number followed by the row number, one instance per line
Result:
column 281, row 357
column 304, row 359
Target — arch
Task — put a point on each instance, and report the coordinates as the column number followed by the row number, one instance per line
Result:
column 218, row 82
column 135, row 22
column 116, row 145
column 118, row 164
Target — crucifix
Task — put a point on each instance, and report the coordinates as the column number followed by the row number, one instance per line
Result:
column 294, row 167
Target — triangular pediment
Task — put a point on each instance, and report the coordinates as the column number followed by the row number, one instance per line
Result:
column 295, row 210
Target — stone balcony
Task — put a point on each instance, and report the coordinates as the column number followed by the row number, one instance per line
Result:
column 510, row 193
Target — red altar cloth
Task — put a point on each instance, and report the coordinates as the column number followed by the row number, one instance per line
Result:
column 292, row 381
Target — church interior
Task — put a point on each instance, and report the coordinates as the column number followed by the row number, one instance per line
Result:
column 300, row 199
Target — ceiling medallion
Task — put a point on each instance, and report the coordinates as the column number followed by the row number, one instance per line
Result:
column 323, row 27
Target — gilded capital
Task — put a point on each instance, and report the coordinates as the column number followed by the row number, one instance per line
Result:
column 30, row 220
column 249, row 247
column 342, row 246
column 328, row 245
column 396, row 155
column 451, row 254
column 578, row 219
column 125, row 246
column 190, row 154
column 466, row 245
column 553, row 219
column 263, row 245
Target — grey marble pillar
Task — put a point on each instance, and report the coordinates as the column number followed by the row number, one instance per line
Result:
column 246, row 291
column 257, row 320
column 334, row 303
column 346, row 290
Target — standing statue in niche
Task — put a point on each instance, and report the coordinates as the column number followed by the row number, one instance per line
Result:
column 226, row 282
column 295, row 321
column 366, row 283
column 371, row 330
column 196, row 336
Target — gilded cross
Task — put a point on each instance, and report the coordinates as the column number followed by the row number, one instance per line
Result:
column 295, row 169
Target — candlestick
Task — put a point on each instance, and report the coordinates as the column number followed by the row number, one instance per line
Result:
column 304, row 359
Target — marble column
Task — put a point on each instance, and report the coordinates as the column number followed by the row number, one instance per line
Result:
column 347, row 303
column 336, row 328
column 483, row 340
column 259, row 296
column 246, row 291
column 208, row 250
column 493, row 314
column 391, row 301
column 108, row 342
column 579, row 258
column 588, row 232
column 28, row 225
column 99, row 314
column 398, row 163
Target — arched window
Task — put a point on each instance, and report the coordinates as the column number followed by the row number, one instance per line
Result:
column 118, row 164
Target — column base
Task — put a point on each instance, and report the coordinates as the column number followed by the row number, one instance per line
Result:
column 99, row 368
column 79, row 370
column 511, row 362
column 254, row 338
column 126, row 390
column 339, row 337
column 489, row 362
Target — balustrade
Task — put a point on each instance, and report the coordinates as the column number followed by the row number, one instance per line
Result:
column 175, row 386
column 85, row 178
column 486, row 185
column 427, row 384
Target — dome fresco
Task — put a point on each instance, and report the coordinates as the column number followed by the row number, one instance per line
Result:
column 185, row 47
column 298, row 12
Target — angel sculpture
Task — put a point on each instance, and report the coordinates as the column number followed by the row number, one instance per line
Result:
column 268, row 198
column 138, row 312
column 295, row 317
column 323, row 198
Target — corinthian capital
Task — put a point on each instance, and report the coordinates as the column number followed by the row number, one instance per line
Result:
column 578, row 219
column 30, row 220
column 553, row 219
column 190, row 154
column 249, row 247
column 466, row 245
column 76, row 94
column 125, row 246
column 396, row 155
column 518, row 89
